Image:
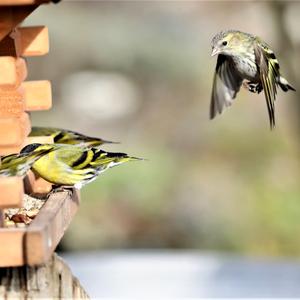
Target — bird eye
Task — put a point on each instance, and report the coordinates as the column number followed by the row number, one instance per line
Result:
column 224, row 43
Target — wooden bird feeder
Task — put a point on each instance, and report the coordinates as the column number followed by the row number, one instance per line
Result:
column 32, row 245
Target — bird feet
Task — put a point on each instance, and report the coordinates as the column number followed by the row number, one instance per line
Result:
column 253, row 87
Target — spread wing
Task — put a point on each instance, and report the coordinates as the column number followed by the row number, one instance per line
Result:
column 227, row 83
column 269, row 72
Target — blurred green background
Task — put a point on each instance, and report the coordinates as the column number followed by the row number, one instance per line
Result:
column 141, row 73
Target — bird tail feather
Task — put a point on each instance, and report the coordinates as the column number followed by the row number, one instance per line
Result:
column 285, row 86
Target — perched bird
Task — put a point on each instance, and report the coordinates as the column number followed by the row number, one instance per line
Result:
column 244, row 59
column 72, row 165
column 19, row 164
column 63, row 136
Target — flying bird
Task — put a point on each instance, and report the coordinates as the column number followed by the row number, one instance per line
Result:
column 244, row 59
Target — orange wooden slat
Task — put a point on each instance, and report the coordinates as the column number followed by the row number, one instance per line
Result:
column 38, row 95
column 34, row 40
column 26, row 41
column 16, row 2
column 11, row 192
column 11, row 102
column 13, row 130
column 13, row 71
column 22, row 2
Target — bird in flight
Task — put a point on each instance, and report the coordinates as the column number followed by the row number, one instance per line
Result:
column 244, row 59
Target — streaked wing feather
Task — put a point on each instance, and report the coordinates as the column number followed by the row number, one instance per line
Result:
column 269, row 73
column 40, row 131
column 74, row 156
column 19, row 164
column 227, row 83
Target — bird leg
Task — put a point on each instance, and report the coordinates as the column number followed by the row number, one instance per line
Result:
column 253, row 87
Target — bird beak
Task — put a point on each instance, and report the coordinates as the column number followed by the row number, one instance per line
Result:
column 215, row 51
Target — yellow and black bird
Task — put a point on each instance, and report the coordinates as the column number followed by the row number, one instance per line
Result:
column 63, row 136
column 244, row 59
column 73, row 165
column 19, row 164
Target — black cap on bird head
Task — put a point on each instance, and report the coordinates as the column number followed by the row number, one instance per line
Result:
column 30, row 148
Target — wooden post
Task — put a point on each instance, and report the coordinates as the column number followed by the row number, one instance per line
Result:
column 53, row 280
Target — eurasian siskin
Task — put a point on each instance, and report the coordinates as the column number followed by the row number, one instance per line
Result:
column 71, row 165
column 19, row 164
column 243, row 56
column 63, row 136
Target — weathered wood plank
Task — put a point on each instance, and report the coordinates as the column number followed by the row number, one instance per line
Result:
column 49, row 226
column 12, row 253
column 53, row 280
column 33, row 245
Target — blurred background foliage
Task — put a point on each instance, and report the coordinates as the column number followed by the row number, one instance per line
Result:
column 141, row 73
